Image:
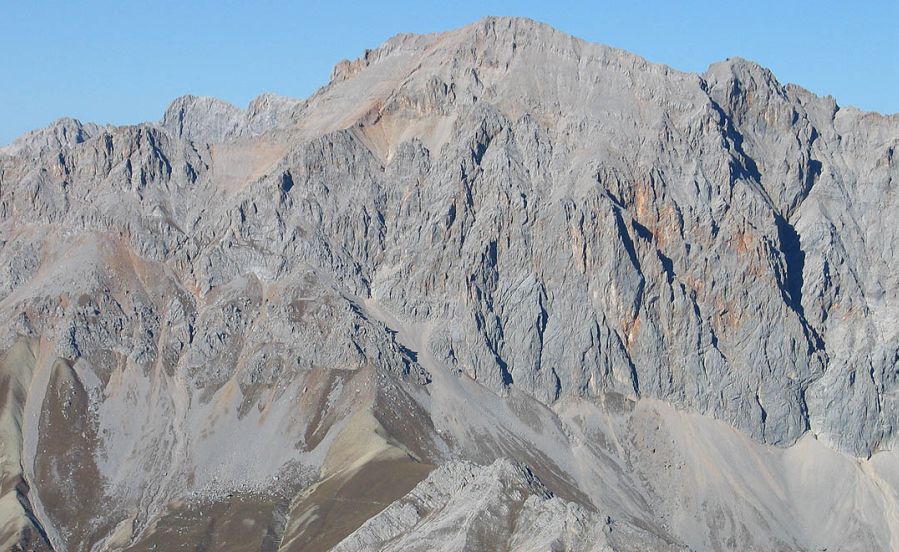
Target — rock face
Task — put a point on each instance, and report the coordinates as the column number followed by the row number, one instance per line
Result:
column 491, row 289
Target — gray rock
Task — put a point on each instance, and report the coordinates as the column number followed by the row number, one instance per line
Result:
column 200, row 119
column 432, row 258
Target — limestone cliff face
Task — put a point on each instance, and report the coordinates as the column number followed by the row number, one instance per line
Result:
column 468, row 245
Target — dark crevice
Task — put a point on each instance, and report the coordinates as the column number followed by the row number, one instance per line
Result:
column 667, row 266
column 542, row 320
column 286, row 182
column 478, row 153
column 762, row 411
column 635, row 380
column 408, row 353
column 794, row 257
column 642, row 231
column 809, row 178
column 557, row 387
column 747, row 167
column 713, row 340
column 626, row 241
column 504, row 370
column 614, row 199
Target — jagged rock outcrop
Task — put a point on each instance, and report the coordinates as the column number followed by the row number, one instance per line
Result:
column 499, row 242
column 503, row 506
column 205, row 119
column 62, row 133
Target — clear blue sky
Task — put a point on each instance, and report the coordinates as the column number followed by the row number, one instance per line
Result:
column 123, row 61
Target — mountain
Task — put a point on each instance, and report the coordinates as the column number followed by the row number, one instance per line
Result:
column 491, row 289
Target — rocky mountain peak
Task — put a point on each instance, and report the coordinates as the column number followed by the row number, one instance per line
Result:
column 201, row 119
column 61, row 133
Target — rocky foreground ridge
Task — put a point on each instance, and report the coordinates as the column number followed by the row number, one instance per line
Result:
column 490, row 289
